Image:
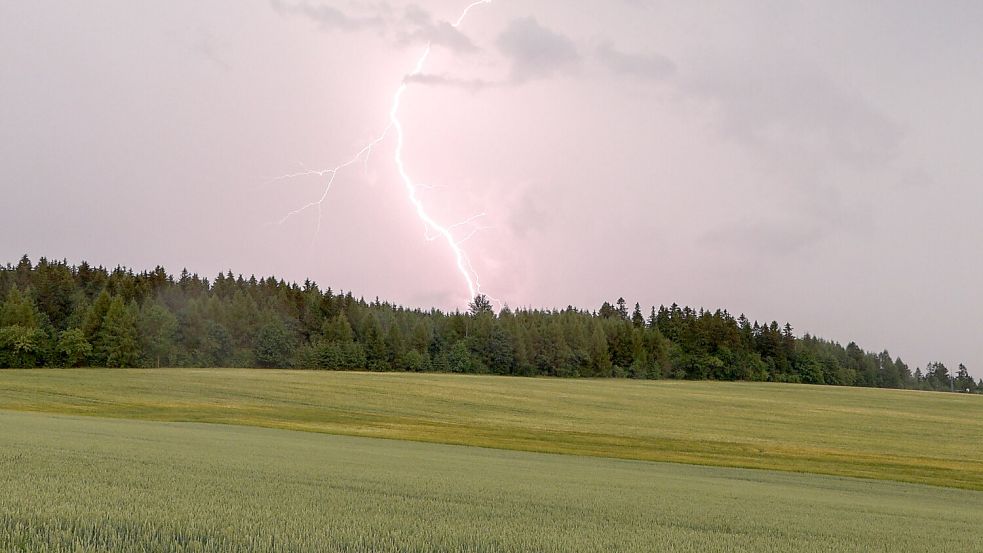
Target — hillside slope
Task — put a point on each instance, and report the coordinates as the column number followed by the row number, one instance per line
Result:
column 917, row 437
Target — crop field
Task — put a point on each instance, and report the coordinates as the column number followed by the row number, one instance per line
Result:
column 917, row 437
column 86, row 484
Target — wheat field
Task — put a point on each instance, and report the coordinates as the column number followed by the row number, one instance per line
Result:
column 83, row 484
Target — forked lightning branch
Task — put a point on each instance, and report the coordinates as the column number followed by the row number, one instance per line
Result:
column 435, row 230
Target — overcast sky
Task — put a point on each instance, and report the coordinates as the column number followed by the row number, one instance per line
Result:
column 815, row 162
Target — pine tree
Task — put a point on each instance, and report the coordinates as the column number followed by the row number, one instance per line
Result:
column 621, row 345
column 53, row 287
column 116, row 342
column 22, row 274
column 396, row 348
column 460, row 359
column 338, row 330
column 96, row 315
column 274, row 344
column 376, row 352
column 158, row 330
column 600, row 359
column 636, row 317
column 480, row 306
column 216, row 345
column 607, row 311
column 422, row 337
column 964, row 382
column 622, row 309
column 79, row 314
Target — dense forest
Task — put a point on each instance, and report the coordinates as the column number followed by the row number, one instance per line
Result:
column 56, row 315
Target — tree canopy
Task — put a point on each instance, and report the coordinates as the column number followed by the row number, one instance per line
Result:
column 53, row 314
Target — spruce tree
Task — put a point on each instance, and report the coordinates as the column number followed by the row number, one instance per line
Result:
column 637, row 318
column 116, row 341
column 600, row 359
column 274, row 345
column 158, row 330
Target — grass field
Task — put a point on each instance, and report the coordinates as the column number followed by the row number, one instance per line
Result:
column 83, row 484
column 919, row 437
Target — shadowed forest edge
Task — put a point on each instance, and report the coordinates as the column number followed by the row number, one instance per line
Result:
column 57, row 315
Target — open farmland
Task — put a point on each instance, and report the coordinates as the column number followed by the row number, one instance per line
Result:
column 906, row 436
column 72, row 484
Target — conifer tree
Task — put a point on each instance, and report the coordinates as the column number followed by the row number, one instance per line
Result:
column 274, row 344
column 600, row 359
column 52, row 314
column 636, row 317
column 116, row 341
column 158, row 329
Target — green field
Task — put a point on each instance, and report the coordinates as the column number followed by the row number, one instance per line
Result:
column 82, row 484
column 250, row 461
column 920, row 437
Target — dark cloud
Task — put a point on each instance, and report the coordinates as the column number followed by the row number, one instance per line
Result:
column 329, row 17
column 473, row 85
column 414, row 26
column 418, row 25
column 643, row 66
column 535, row 51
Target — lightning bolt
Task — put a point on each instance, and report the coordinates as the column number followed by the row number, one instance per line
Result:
column 433, row 229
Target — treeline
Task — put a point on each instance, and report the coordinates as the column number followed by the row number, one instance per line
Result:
column 57, row 315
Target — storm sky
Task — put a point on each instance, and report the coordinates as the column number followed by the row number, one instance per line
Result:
column 812, row 162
